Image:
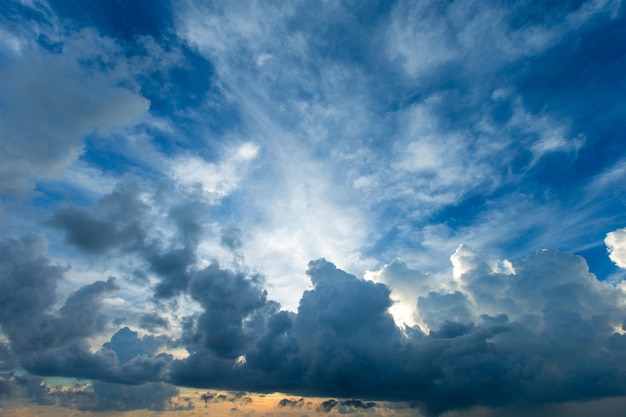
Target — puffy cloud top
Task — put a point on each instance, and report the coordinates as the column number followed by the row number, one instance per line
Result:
column 616, row 244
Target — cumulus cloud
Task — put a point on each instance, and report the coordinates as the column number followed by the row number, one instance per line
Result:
column 227, row 298
column 616, row 244
column 53, row 342
column 551, row 317
column 27, row 279
column 127, row 345
column 492, row 335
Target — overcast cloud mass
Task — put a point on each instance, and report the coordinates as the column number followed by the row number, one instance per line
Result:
column 419, row 203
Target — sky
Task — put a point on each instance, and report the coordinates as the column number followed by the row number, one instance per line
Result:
column 405, row 207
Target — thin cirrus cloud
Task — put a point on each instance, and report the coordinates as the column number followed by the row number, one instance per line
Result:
column 415, row 207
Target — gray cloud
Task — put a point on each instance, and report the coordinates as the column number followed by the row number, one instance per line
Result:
column 498, row 338
column 51, row 102
column 153, row 321
column 113, row 224
column 6, row 389
column 127, row 345
column 76, row 360
column 231, row 238
column 153, row 396
column 119, row 223
column 342, row 340
column 93, row 235
column 28, row 283
column 51, row 343
column 495, row 337
column 227, row 299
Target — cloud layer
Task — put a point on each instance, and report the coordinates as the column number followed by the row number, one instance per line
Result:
column 299, row 198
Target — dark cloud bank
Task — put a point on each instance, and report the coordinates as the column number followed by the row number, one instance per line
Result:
column 550, row 332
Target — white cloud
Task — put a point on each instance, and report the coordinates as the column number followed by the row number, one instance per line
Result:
column 538, row 291
column 542, row 133
column 420, row 38
column 216, row 180
column 427, row 35
column 616, row 244
column 406, row 286
column 612, row 177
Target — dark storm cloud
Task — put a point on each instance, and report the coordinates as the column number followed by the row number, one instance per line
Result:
column 30, row 387
column 342, row 341
column 331, row 340
column 113, row 224
column 117, row 224
column 78, row 361
column 127, row 345
column 82, row 316
column 79, row 317
column 93, row 235
column 50, row 343
column 104, row 396
column 546, row 333
column 344, row 331
column 5, row 388
column 173, row 267
column 153, row 321
column 227, row 298
column 28, row 283
column 8, row 359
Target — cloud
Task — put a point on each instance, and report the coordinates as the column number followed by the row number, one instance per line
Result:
column 153, row 321
column 137, row 222
column 51, row 102
column 231, row 238
column 28, row 281
column 153, row 396
column 114, row 224
column 286, row 402
column 288, row 132
column 227, row 298
column 78, row 361
column 99, row 396
column 501, row 337
column 406, row 286
column 429, row 39
column 616, row 244
column 215, row 180
column 494, row 335
column 93, row 235
column 328, row 405
column 51, row 342
column 127, row 345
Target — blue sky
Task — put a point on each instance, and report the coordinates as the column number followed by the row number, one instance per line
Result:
column 281, row 196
